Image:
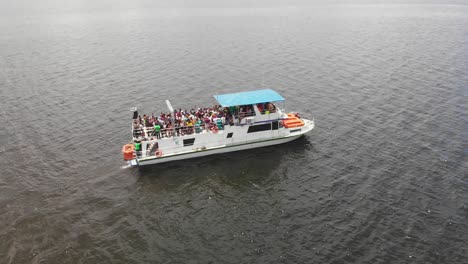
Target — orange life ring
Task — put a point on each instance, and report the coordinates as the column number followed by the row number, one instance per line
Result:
column 158, row 153
column 128, row 151
column 214, row 129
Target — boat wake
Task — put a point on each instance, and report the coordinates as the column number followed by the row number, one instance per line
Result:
column 126, row 166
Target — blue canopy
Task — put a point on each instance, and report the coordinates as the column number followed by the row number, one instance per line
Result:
column 248, row 98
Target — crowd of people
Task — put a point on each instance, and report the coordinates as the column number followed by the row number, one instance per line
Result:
column 185, row 122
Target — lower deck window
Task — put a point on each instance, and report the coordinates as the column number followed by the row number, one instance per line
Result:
column 295, row 130
column 189, row 142
column 275, row 125
column 259, row 128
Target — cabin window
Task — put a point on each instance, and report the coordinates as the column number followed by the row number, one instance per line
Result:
column 229, row 135
column 189, row 142
column 259, row 128
column 274, row 125
column 295, row 130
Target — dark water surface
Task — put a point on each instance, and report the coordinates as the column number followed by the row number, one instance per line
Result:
column 382, row 178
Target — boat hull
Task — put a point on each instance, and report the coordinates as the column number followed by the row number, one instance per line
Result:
column 212, row 151
column 292, row 134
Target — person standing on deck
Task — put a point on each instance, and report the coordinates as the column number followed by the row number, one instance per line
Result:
column 138, row 148
column 177, row 127
column 157, row 130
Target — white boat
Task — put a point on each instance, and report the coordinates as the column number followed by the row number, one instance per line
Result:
column 241, row 121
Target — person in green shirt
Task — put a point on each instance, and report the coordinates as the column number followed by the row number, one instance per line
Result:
column 138, row 148
column 157, row 130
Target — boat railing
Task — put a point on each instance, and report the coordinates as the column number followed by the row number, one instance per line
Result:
column 244, row 114
column 151, row 133
column 266, row 111
column 239, row 116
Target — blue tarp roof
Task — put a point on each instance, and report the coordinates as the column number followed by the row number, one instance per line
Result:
column 247, row 98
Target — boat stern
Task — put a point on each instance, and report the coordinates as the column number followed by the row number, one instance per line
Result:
column 132, row 163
